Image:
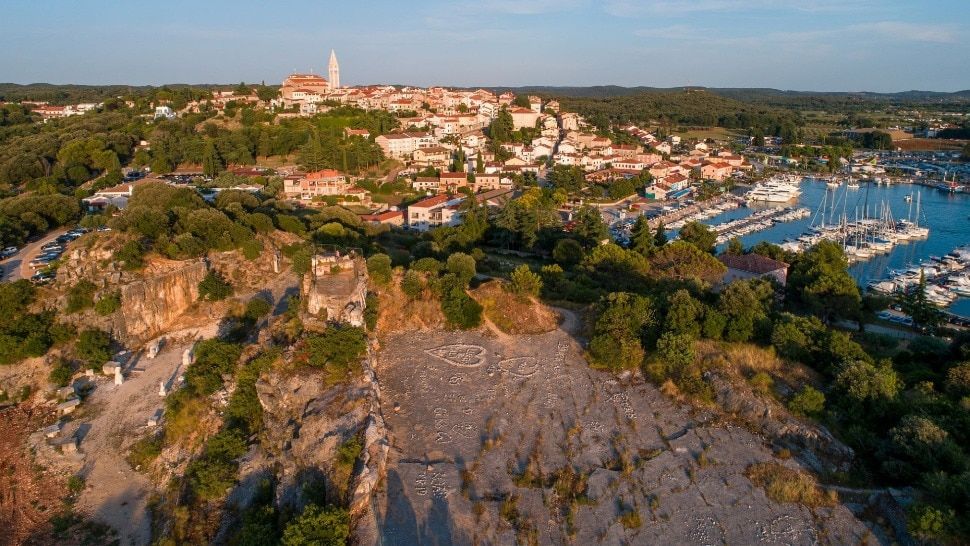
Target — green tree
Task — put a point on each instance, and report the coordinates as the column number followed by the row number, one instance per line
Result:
column 567, row 252
column 93, row 347
column 683, row 315
column 699, row 235
column 462, row 266
column 524, row 282
column 589, row 228
column 820, row 280
column 734, row 247
column 458, row 307
column 412, row 284
column 915, row 303
column 676, row 351
column 213, row 287
column 660, row 239
column 642, row 239
column 318, row 526
column 862, row 381
column 379, row 268
column 616, row 343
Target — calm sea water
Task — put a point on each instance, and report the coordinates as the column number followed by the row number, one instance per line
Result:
column 947, row 215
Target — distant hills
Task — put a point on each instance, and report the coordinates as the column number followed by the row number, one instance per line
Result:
column 741, row 93
column 65, row 93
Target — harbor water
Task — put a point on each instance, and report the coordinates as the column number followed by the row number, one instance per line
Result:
column 947, row 215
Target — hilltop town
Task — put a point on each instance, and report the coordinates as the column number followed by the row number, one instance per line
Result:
column 316, row 313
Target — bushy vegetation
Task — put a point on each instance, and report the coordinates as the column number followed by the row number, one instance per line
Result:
column 24, row 333
column 337, row 349
column 214, row 288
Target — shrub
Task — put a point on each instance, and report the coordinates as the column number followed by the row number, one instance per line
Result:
column 427, row 265
column 929, row 523
column 459, row 308
column 524, row 282
column 631, row 519
column 92, row 347
column 462, row 266
column 807, row 402
column 108, row 304
column 213, row 359
column 80, row 296
column 338, row 349
column 412, row 284
column 379, row 268
column 318, row 526
column 251, row 249
column 61, row 373
column 215, row 471
column 372, row 311
column 145, row 450
column 257, row 308
column 131, row 256
column 762, row 383
column 214, row 288
column 75, row 484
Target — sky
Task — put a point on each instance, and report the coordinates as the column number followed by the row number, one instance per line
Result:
column 816, row 45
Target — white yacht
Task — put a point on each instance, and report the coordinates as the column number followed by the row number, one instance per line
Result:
column 774, row 191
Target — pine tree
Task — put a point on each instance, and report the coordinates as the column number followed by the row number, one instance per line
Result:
column 660, row 239
column 479, row 164
column 211, row 163
column 641, row 239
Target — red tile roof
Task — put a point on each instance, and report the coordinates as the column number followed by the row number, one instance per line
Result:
column 430, row 202
column 752, row 263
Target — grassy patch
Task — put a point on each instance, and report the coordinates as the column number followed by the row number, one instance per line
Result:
column 144, row 451
column 783, row 484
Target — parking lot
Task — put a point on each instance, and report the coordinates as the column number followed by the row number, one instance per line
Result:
column 33, row 261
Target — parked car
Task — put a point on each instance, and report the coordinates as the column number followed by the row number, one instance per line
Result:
column 42, row 277
column 8, row 252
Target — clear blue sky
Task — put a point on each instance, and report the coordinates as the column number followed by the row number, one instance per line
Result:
column 874, row 45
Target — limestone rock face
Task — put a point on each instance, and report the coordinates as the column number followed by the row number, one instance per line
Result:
column 815, row 445
column 151, row 304
column 306, row 422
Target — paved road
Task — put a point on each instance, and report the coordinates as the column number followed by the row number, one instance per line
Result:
column 18, row 266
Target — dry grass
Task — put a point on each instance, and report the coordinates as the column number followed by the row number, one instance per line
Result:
column 399, row 313
column 513, row 314
column 782, row 484
column 746, row 360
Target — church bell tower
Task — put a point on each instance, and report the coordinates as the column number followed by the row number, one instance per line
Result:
column 334, row 71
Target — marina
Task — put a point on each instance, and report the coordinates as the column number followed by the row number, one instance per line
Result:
column 943, row 214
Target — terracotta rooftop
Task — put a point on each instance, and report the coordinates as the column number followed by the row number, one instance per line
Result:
column 752, row 263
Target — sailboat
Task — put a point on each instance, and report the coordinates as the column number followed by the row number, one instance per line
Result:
column 852, row 184
column 832, row 184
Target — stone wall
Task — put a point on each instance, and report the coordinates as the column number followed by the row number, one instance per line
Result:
column 335, row 288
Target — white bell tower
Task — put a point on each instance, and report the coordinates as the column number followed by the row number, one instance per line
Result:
column 334, row 71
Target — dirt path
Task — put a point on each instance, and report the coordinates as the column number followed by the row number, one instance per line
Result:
column 114, row 417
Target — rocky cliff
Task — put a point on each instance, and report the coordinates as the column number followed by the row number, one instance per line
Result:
column 151, row 304
column 305, row 423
